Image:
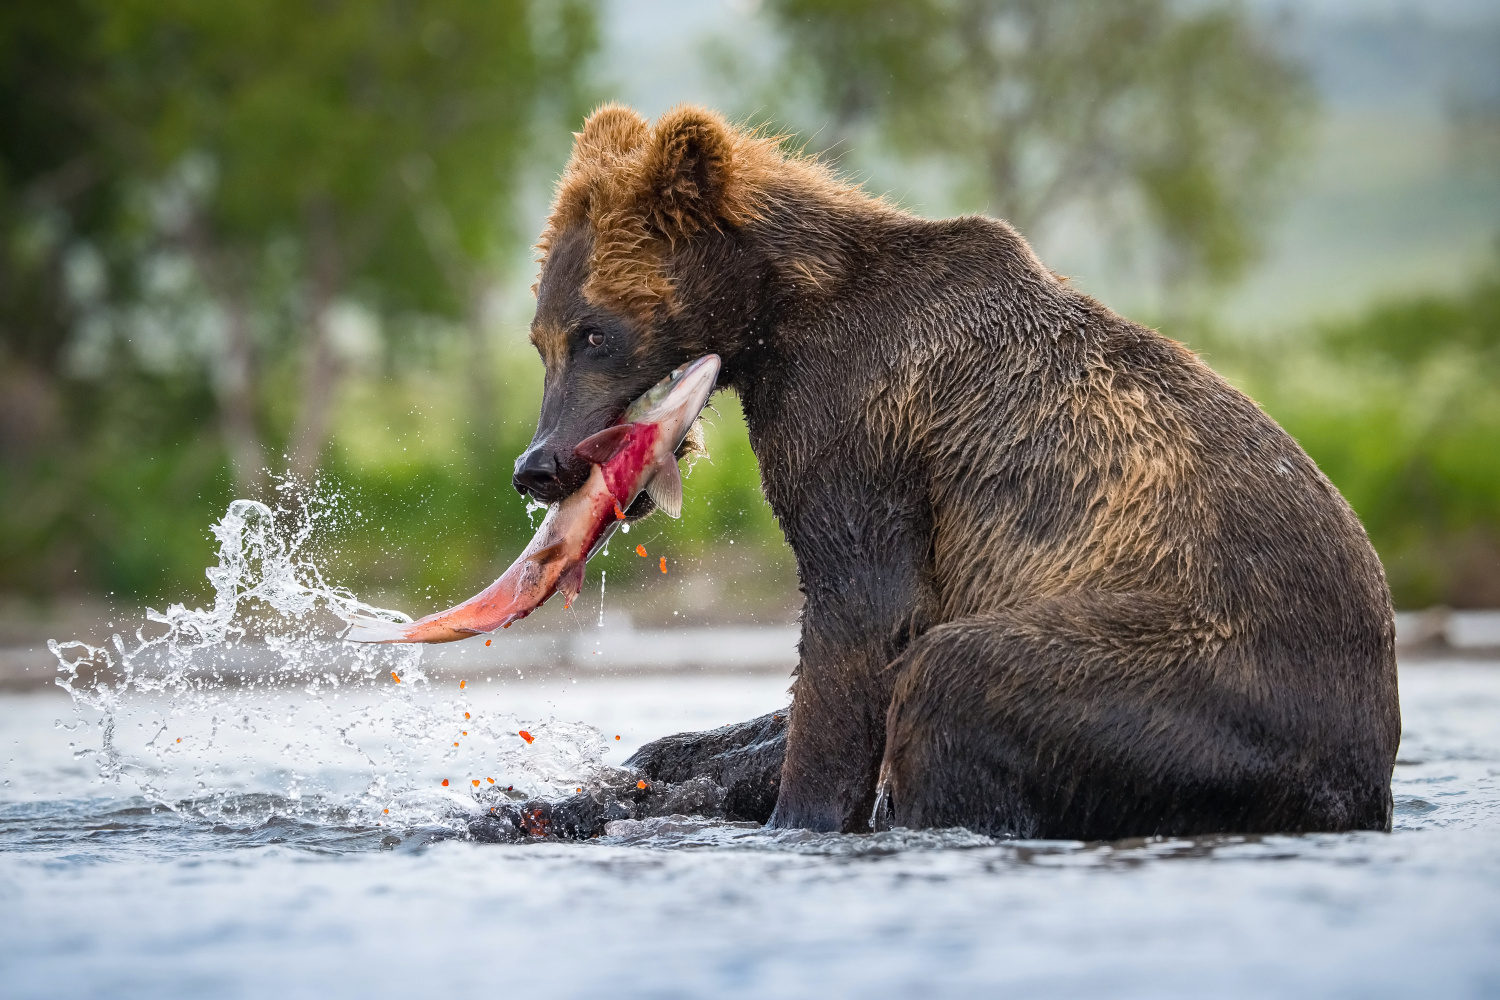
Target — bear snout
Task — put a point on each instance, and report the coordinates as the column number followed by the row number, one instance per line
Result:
column 543, row 475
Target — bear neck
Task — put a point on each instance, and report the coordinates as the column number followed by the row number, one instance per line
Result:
column 830, row 286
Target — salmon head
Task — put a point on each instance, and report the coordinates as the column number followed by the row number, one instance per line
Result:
column 639, row 454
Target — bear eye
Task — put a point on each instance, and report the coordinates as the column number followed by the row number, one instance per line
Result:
column 596, row 339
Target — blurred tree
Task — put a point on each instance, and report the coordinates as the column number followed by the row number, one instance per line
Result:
column 57, row 189
column 378, row 144
column 1186, row 108
column 205, row 212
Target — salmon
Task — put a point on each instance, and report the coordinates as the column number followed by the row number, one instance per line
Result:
column 636, row 455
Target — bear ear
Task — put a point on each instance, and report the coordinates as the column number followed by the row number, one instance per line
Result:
column 613, row 130
column 688, row 170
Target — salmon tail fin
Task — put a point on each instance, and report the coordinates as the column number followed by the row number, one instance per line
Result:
column 600, row 448
column 364, row 628
column 666, row 488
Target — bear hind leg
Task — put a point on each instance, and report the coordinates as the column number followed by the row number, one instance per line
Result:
column 1086, row 718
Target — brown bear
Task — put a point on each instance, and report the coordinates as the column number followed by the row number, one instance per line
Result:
column 1060, row 578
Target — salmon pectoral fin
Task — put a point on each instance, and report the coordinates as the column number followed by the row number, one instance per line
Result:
column 571, row 582
column 600, row 448
column 666, row 488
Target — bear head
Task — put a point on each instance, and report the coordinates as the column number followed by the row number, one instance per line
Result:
column 661, row 247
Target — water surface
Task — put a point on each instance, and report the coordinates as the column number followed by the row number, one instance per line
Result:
column 241, row 891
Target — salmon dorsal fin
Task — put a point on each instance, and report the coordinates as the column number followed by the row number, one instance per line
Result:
column 666, row 488
column 600, row 448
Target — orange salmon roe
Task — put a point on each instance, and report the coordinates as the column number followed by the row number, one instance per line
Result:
column 663, row 564
column 394, row 677
column 476, row 782
column 462, row 683
column 640, row 550
column 526, row 736
column 617, row 737
column 490, row 780
column 640, row 784
column 445, row 782
column 619, row 514
column 466, row 715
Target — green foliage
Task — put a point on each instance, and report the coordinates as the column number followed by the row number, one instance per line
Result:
column 1401, row 409
column 194, row 195
column 368, row 111
column 200, row 205
column 276, row 169
column 1187, row 109
column 56, row 183
column 121, row 503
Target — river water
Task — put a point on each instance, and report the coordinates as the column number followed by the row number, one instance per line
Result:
column 175, row 829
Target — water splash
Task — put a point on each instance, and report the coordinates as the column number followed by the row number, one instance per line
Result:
column 255, row 698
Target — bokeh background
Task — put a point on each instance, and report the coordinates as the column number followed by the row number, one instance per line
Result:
column 281, row 249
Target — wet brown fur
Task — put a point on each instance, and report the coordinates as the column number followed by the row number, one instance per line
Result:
column 1061, row 579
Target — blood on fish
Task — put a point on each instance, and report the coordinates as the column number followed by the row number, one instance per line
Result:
column 663, row 564
column 526, row 736
column 554, row 558
column 640, row 550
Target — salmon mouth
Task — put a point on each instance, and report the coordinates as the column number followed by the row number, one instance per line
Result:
column 678, row 398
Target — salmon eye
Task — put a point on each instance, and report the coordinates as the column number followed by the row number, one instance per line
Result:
column 596, row 340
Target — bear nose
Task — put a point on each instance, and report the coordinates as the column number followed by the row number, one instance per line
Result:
column 536, row 474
